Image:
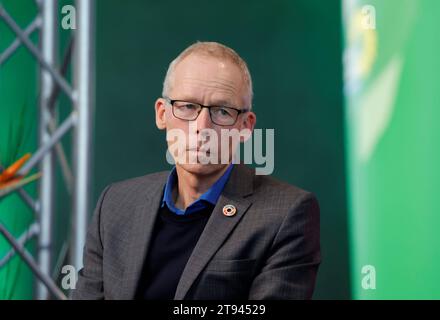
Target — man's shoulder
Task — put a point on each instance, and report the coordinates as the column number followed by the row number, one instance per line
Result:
column 134, row 190
column 278, row 193
column 277, row 203
column 141, row 181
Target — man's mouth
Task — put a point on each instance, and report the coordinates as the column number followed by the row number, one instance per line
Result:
column 200, row 150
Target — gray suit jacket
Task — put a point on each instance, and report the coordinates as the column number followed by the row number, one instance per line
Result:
column 268, row 250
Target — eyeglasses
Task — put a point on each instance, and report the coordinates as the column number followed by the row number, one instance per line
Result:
column 189, row 111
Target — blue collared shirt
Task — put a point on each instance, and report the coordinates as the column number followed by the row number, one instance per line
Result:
column 211, row 196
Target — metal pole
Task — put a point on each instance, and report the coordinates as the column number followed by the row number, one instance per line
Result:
column 31, row 232
column 16, row 44
column 31, row 47
column 84, row 100
column 49, row 144
column 82, row 96
column 27, row 257
column 34, row 205
column 48, row 38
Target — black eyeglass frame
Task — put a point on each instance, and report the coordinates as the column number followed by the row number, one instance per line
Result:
column 239, row 111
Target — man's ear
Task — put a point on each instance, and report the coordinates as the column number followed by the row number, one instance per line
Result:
column 249, row 121
column 160, row 113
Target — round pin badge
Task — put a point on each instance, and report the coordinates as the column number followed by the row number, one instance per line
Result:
column 229, row 210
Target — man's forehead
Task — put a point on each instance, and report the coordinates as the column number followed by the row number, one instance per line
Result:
column 202, row 65
column 214, row 96
column 216, row 82
column 203, row 78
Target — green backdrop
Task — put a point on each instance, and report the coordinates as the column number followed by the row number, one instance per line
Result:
column 293, row 49
column 17, row 136
column 392, row 116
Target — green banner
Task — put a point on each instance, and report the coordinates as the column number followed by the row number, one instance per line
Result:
column 18, row 110
column 392, row 88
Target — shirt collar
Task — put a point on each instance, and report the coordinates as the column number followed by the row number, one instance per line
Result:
column 211, row 196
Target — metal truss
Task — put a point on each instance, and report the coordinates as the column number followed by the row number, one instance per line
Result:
column 77, row 180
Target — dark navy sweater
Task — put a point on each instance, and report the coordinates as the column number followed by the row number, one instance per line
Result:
column 173, row 240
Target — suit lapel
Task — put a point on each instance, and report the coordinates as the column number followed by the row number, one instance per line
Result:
column 218, row 227
column 142, row 224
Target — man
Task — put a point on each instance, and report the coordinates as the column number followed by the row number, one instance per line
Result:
column 205, row 230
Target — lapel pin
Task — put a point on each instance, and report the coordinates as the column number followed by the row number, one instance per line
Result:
column 229, row 210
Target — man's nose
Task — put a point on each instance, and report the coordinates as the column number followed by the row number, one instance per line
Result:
column 203, row 120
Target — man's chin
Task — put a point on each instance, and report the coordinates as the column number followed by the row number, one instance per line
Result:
column 200, row 168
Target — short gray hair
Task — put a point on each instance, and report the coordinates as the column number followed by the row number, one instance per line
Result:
column 213, row 49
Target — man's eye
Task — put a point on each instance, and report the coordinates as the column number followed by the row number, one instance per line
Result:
column 222, row 112
column 189, row 106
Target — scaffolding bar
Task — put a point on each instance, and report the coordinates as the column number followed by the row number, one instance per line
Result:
column 30, row 202
column 34, row 25
column 48, row 36
column 83, row 82
column 81, row 95
column 25, row 40
column 53, row 139
column 32, row 231
column 27, row 257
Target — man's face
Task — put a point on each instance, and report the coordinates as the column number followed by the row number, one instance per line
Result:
column 207, row 81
